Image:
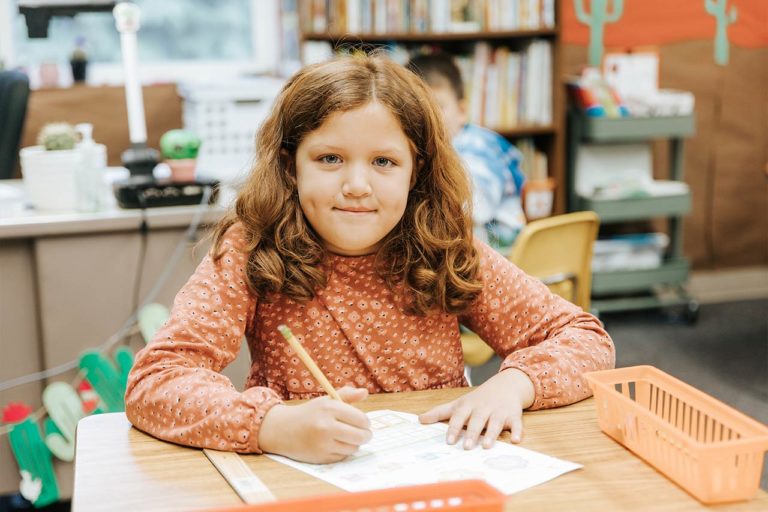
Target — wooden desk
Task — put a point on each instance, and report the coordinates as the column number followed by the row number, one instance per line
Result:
column 119, row 468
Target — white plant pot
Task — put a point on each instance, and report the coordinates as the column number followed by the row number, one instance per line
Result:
column 51, row 177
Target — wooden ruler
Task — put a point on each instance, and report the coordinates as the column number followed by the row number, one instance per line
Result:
column 245, row 483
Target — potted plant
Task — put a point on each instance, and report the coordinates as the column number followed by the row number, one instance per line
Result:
column 49, row 170
column 180, row 148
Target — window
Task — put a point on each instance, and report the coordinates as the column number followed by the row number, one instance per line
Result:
column 176, row 37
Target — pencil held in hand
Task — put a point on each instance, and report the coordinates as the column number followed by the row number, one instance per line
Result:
column 308, row 361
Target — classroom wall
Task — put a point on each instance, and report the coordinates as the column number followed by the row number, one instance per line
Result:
column 726, row 162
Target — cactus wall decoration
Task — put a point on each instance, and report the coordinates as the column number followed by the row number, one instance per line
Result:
column 33, row 451
column 108, row 381
column 596, row 20
column 151, row 318
column 65, row 409
column 717, row 9
column 38, row 480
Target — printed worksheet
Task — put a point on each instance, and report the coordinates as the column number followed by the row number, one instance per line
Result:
column 405, row 452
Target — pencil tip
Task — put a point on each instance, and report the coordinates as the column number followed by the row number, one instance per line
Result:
column 284, row 330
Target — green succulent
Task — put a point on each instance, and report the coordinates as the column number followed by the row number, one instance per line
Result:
column 178, row 144
column 57, row 136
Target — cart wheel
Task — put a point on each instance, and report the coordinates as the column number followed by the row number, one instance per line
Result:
column 691, row 312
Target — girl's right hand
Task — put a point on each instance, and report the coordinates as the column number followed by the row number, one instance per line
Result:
column 319, row 431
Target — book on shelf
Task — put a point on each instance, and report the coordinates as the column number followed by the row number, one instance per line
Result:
column 534, row 163
column 425, row 16
column 507, row 89
column 503, row 89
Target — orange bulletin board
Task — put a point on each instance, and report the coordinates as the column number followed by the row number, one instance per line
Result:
column 656, row 22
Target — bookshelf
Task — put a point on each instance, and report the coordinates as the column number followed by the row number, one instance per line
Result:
column 406, row 27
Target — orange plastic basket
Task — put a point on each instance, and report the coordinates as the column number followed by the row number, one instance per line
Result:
column 709, row 449
column 457, row 496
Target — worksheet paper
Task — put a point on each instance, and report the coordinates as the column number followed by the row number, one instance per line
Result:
column 404, row 452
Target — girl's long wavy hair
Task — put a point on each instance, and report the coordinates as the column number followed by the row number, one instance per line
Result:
column 429, row 255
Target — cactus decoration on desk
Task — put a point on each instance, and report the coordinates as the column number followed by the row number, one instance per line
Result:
column 57, row 137
column 596, row 21
column 717, row 9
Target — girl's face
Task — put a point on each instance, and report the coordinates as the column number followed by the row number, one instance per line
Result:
column 353, row 176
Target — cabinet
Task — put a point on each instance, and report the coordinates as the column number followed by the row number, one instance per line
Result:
column 65, row 281
column 645, row 288
column 411, row 26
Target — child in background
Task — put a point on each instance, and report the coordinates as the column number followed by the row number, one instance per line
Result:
column 492, row 161
column 354, row 229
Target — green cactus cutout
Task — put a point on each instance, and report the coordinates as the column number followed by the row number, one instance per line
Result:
column 717, row 9
column 108, row 382
column 124, row 360
column 65, row 409
column 38, row 480
column 596, row 21
column 58, row 445
column 151, row 318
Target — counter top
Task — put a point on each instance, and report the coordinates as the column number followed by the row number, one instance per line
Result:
column 18, row 220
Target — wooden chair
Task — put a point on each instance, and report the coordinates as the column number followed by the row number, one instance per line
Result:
column 557, row 250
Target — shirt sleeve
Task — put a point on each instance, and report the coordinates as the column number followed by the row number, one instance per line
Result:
column 175, row 391
column 486, row 189
column 553, row 341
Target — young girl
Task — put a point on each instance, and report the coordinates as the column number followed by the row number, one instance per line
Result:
column 354, row 229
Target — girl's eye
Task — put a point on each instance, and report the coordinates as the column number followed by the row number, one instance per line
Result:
column 383, row 162
column 330, row 159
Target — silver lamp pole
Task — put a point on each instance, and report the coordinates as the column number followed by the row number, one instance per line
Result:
column 139, row 159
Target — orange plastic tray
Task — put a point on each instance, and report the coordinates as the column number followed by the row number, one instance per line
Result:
column 709, row 449
column 456, row 496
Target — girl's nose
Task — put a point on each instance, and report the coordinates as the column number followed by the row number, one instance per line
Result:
column 356, row 183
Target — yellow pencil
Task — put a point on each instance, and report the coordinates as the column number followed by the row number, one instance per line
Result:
column 308, row 361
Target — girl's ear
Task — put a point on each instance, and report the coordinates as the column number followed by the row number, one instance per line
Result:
column 286, row 162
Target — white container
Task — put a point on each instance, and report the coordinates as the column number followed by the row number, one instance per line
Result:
column 51, row 177
column 90, row 186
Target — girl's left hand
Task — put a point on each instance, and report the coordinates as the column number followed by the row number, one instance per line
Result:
column 494, row 406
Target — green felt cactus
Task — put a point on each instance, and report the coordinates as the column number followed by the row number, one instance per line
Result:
column 108, row 381
column 65, row 409
column 38, row 480
column 151, row 318
column 717, row 9
column 124, row 360
column 596, row 20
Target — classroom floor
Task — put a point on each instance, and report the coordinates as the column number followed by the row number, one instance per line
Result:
column 725, row 354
